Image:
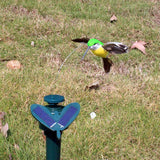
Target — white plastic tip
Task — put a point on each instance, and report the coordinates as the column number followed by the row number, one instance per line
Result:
column 93, row 115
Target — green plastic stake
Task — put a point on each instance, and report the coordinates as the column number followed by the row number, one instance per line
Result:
column 53, row 146
column 53, row 119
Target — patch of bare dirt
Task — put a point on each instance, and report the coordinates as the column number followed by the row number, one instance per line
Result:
column 19, row 10
column 50, row 59
column 155, row 1
column 122, row 68
column 155, row 12
column 88, row 67
column 109, row 88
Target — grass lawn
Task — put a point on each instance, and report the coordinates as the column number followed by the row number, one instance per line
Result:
column 127, row 125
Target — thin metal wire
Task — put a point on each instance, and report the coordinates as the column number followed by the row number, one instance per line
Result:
column 57, row 74
column 68, row 57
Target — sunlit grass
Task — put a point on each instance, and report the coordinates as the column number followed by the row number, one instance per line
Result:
column 127, row 101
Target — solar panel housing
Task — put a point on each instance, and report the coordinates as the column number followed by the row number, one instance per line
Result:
column 44, row 116
column 57, row 121
column 67, row 116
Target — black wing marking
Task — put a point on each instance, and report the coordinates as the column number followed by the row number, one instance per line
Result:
column 115, row 47
column 81, row 40
column 107, row 63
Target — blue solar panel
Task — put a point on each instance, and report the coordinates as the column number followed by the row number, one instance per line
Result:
column 44, row 116
column 67, row 116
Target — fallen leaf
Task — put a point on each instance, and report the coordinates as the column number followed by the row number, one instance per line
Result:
column 0, row 125
column 14, row 64
column 10, row 157
column 4, row 130
column 94, row 85
column 16, row 146
column 140, row 45
column 2, row 114
column 43, row 135
column 113, row 18
column 142, row 42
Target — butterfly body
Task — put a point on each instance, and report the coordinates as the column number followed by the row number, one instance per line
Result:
column 99, row 51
